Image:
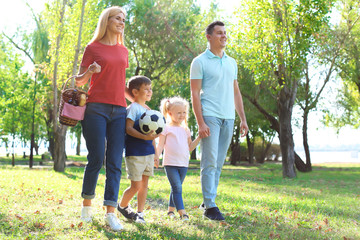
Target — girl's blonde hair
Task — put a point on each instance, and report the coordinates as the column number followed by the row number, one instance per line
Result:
column 101, row 27
column 168, row 103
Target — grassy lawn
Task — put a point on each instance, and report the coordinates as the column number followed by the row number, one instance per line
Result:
column 258, row 203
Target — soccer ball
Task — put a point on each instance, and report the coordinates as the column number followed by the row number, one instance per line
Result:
column 152, row 120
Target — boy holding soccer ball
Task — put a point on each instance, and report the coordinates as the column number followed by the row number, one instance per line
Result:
column 140, row 150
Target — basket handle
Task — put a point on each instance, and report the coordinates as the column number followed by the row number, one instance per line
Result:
column 65, row 83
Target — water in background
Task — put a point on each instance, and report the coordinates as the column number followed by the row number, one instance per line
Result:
column 332, row 156
column 316, row 156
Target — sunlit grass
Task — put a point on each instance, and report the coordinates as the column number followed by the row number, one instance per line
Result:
column 257, row 202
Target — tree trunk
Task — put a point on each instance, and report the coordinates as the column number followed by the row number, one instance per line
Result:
column 235, row 154
column 36, row 147
column 264, row 153
column 193, row 154
column 305, row 142
column 300, row 165
column 59, row 151
column 59, row 131
column 32, row 141
column 250, row 148
column 78, row 144
column 286, row 138
column 13, row 152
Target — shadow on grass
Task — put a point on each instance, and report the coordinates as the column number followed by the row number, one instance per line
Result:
column 4, row 225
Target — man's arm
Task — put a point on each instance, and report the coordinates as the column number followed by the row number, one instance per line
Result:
column 195, row 86
column 239, row 107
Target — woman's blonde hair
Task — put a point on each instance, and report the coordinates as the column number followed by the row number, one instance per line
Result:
column 167, row 103
column 101, row 27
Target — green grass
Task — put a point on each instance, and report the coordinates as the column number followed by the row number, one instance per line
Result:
column 258, row 203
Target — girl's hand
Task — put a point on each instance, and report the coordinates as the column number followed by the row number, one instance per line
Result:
column 94, row 68
column 156, row 161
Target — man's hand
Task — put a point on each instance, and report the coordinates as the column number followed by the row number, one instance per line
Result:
column 243, row 129
column 204, row 130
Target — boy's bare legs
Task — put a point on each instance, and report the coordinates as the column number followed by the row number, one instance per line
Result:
column 142, row 194
column 129, row 193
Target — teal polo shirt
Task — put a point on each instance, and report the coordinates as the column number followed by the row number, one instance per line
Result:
column 217, row 89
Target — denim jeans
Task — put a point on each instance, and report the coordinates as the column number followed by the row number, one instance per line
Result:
column 176, row 176
column 103, row 130
column 213, row 153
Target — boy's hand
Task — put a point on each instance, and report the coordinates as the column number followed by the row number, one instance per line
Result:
column 151, row 136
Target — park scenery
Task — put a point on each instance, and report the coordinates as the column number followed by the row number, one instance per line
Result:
column 298, row 63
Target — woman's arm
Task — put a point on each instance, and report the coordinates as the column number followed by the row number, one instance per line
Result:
column 85, row 73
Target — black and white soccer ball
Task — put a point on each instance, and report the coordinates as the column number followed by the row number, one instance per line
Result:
column 152, row 120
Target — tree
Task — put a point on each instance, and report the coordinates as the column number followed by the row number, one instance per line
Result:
column 348, row 65
column 64, row 20
column 15, row 94
column 275, row 38
column 35, row 47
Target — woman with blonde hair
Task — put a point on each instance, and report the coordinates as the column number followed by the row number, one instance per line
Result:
column 104, row 62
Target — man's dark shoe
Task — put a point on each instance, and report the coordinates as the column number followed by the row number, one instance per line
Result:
column 127, row 212
column 214, row 214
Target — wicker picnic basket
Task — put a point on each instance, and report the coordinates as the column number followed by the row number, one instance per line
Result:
column 72, row 105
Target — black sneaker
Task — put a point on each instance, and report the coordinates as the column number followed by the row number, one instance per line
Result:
column 127, row 212
column 214, row 214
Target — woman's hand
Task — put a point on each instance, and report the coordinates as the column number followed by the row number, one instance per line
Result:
column 94, row 68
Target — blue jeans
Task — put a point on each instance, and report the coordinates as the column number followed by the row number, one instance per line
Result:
column 176, row 176
column 213, row 153
column 103, row 130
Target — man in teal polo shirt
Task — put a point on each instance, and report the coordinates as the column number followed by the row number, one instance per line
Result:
column 215, row 97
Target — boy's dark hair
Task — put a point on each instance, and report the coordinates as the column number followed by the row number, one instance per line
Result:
column 210, row 28
column 135, row 82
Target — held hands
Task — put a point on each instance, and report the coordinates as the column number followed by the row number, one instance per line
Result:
column 204, row 131
column 94, row 68
column 156, row 161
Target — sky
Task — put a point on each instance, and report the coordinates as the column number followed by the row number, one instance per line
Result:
column 15, row 13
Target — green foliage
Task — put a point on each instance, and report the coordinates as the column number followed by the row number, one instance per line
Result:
column 163, row 37
column 347, row 109
column 16, row 90
column 274, row 38
column 257, row 202
column 348, row 65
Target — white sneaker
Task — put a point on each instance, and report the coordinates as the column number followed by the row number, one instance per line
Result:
column 113, row 222
column 140, row 218
column 86, row 214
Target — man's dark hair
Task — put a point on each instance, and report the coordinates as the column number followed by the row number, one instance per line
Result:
column 210, row 28
column 135, row 82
